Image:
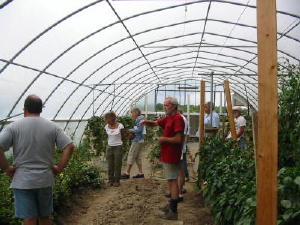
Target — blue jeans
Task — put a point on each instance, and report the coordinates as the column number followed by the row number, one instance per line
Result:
column 33, row 203
column 241, row 143
column 183, row 165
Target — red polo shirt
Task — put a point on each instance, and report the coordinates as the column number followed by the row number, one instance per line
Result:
column 171, row 153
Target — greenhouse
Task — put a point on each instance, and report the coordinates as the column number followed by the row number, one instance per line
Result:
column 91, row 62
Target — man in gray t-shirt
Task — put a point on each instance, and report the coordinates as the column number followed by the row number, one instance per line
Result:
column 34, row 139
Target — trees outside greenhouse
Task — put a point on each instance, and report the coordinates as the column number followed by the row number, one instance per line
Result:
column 85, row 58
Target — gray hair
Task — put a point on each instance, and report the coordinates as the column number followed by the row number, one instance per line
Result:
column 137, row 111
column 172, row 100
column 210, row 105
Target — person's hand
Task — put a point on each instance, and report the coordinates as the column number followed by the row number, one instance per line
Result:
column 131, row 135
column 142, row 122
column 10, row 171
column 161, row 140
column 56, row 169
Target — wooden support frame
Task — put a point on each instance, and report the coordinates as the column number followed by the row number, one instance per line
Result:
column 229, row 109
column 267, row 143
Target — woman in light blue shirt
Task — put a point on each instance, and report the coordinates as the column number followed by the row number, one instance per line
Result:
column 137, row 145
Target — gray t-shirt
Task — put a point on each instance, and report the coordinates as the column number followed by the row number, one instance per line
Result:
column 33, row 140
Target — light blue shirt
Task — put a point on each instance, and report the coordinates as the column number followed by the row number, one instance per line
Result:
column 215, row 120
column 138, row 129
column 207, row 124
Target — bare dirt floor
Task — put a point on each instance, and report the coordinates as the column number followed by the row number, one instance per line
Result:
column 136, row 202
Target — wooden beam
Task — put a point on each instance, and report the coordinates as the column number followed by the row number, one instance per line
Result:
column 201, row 117
column 201, row 124
column 229, row 109
column 254, row 118
column 267, row 145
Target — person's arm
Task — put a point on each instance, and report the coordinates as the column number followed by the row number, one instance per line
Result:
column 124, row 133
column 241, row 131
column 65, row 157
column 177, row 139
column 138, row 129
column 9, row 170
column 149, row 123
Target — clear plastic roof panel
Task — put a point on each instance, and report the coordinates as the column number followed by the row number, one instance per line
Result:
column 86, row 57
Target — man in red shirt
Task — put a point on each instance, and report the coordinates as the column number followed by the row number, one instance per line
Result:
column 171, row 144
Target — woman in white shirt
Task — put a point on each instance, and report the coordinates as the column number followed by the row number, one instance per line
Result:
column 114, row 151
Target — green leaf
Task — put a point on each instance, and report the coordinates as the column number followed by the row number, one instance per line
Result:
column 287, row 180
column 286, row 204
column 297, row 180
column 228, row 213
column 287, row 216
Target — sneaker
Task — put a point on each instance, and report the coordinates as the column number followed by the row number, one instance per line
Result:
column 139, row 176
column 125, row 176
column 165, row 208
column 170, row 215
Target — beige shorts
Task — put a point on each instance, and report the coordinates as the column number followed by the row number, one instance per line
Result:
column 171, row 170
column 134, row 154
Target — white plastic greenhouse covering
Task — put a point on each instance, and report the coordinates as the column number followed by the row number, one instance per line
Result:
column 84, row 56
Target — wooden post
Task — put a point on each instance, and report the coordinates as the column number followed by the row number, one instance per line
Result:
column 201, row 124
column 267, row 145
column 255, row 137
column 201, row 118
column 254, row 130
column 229, row 109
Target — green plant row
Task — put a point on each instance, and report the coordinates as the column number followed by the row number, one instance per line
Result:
column 289, row 116
column 228, row 183
column 227, row 178
column 227, row 174
column 77, row 175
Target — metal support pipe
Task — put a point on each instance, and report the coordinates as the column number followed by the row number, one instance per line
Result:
column 94, row 100
column 221, row 103
column 211, row 96
column 188, row 112
column 146, row 106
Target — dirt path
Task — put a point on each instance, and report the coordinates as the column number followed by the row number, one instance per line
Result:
column 135, row 202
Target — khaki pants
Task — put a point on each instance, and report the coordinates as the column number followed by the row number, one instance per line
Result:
column 171, row 170
column 114, row 160
column 134, row 154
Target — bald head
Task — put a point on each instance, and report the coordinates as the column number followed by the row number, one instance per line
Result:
column 33, row 104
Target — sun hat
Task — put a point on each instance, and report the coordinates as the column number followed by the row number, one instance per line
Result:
column 237, row 108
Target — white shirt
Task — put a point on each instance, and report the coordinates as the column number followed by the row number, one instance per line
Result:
column 185, row 132
column 238, row 122
column 114, row 135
